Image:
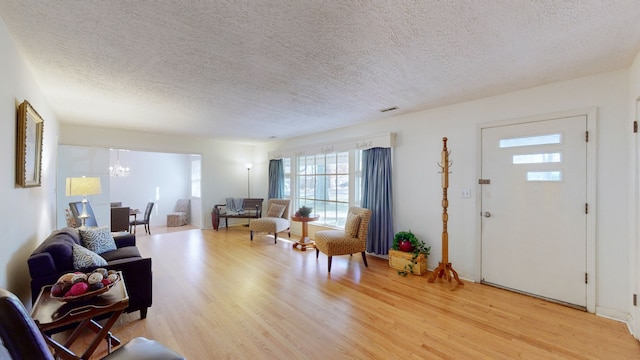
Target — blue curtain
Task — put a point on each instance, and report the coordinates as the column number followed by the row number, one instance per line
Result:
column 276, row 179
column 377, row 196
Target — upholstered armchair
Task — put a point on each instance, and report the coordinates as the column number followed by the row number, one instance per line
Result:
column 180, row 214
column 275, row 221
column 20, row 338
column 352, row 239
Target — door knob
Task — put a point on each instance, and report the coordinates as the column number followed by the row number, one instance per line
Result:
column 486, row 214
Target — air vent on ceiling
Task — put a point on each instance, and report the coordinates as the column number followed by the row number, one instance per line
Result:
column 389, row 109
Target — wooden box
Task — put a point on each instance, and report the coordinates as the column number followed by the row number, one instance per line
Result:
column 398, row 259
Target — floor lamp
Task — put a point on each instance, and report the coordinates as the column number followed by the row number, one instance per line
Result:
column 83, row 186
column 249, row 166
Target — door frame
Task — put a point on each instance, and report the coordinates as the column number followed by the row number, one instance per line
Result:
column 634, row 245
column 591, row 115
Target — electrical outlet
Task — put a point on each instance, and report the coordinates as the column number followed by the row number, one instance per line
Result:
column 465, row 193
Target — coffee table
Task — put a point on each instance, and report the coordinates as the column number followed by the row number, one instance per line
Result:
column 304, row 238
column 51, row 315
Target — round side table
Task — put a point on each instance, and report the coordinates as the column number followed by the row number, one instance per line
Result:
column 304, row 238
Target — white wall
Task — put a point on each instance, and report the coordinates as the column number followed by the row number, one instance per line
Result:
column 161, row 178
column 28, row 215
column 223, row 163
column 79, row 161
column 416, row 182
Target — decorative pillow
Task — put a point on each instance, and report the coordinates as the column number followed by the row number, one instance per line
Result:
column 352, row 225
column 276, row 210
column 98, row 239
column 84, row 258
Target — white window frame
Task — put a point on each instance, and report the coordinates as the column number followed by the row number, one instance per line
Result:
column 354, row 174
column 196, row 177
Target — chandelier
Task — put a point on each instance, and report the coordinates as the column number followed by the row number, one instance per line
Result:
column 117, row 169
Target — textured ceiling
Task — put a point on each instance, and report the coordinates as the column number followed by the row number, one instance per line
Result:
column 251, row 69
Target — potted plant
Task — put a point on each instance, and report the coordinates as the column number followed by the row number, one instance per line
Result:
column 406, row 241
column 303, row 212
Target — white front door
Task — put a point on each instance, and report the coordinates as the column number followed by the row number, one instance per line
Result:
column 534, row 225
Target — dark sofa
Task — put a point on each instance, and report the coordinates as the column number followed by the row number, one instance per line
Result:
column 54, row 257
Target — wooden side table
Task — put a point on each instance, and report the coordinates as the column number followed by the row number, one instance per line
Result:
column 51, row 314
column 304, row 238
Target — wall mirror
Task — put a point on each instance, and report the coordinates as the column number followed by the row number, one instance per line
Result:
column 29, row 146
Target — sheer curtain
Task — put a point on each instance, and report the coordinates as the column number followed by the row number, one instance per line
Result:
column 377, row 196
column 276, row 179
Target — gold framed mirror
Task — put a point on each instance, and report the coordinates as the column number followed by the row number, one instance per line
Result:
column 29, row 146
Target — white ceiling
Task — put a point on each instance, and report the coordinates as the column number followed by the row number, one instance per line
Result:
column 255, row 69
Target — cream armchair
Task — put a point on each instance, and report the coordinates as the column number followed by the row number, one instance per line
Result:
column 180, row 215
column 275, row 221
column 352, row 239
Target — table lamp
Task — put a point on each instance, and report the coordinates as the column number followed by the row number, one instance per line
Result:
column 83, row 186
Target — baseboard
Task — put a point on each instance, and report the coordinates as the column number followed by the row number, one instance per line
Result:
column 614, row 314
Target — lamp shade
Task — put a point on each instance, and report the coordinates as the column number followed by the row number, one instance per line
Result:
column 83, row 186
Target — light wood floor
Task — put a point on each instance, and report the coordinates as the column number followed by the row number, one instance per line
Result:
column 219, row 296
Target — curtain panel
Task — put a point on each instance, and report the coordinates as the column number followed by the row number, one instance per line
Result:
column 276, row 179
column 377, row 196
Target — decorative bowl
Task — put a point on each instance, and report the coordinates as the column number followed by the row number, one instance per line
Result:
column 88, row 295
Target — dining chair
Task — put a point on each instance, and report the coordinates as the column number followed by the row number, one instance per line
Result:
column 76, row 210
column 145, row 220
column 120, row 218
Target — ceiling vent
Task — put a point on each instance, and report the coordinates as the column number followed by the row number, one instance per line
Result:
column 389, row 109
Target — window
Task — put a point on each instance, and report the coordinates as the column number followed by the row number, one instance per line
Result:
column 544, row 176
column 357, row 179
column 323, row 183
column 195, row 177
column 286, row 163
column 329, row 183
column 531, row 141
column 537, row 158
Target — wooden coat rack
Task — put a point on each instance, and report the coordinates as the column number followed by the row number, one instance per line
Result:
column 444, row 268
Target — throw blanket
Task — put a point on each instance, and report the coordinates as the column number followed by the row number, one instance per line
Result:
column 234, row 206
